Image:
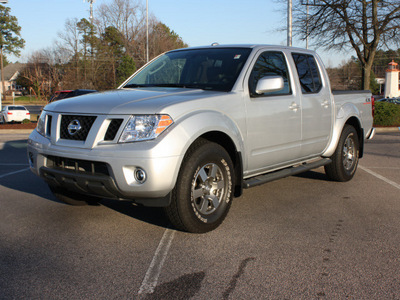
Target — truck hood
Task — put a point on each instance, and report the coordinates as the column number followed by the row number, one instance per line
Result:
column 128, row 101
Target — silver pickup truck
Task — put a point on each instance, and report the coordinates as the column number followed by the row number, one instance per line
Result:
column 194, row 127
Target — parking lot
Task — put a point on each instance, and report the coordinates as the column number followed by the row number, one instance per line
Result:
column 301, row 237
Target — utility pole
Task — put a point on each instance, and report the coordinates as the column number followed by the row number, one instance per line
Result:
column 91, row 10
column 308, row 13
column 2, row 96
column 3, row 87
column 147, row 31
column 308, row 3
column 91, row 36
column 289, row 24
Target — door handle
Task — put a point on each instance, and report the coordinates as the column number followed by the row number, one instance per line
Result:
column 294, row 106
column 325, row 104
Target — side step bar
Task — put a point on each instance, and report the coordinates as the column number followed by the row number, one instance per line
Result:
column 261, row 179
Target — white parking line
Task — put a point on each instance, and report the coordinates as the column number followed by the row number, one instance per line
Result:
column 153, row 272
column 12, row 173
column 396, row 185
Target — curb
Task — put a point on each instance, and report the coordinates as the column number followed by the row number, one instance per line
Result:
column 15, row 131
column 387, row 129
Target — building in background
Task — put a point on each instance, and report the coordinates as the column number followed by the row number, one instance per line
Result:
column 392, row 81
column 11, row 73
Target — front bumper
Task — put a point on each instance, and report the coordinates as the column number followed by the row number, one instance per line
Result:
column 107, row 170
column 371, row 134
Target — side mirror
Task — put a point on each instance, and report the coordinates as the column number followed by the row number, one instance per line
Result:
column 269, row 84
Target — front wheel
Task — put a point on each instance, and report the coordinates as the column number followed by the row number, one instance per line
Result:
column 345, row 159
column 203, row 193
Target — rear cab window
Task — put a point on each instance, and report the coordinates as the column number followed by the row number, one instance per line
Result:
column 309, row 76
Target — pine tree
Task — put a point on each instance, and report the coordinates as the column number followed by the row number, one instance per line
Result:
column 10, row 37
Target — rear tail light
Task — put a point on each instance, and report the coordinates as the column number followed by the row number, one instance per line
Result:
column 373, row 105
column 9, row 113
column 27, row 114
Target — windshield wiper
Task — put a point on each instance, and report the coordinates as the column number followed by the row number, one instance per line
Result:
column 134, row 85
column 185, row 86
column 171, row 85
column 177, row 85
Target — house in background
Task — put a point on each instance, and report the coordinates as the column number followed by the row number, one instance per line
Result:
column 11, row 73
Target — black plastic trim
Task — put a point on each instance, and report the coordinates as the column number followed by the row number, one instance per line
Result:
column 261, row 179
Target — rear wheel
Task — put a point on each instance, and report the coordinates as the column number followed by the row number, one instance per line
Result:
column 203, row 193
column 72, row 198
column 345, row 159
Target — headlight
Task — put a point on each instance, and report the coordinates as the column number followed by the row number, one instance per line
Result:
column 41, row 124
column 145, row 127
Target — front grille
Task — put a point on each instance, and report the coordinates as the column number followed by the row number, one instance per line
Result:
column 75, row 127
column 113, row 129
column 48, row 125
column 77, row 165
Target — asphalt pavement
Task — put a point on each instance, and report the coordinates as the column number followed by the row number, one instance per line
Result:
column 302, row 237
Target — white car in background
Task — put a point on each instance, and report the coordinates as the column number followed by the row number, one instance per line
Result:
column 14, row 113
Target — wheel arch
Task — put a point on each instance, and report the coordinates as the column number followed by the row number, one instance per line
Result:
column 353, row 121
column 228, row 144
column 218, row 128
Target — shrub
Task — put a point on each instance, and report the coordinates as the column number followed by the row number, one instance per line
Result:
column 387, row 114
column 26, row 121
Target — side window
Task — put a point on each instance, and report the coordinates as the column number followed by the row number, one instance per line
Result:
column 270, row 64
column 307, row 69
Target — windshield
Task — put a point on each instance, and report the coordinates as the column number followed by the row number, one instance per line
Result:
column 208, row 69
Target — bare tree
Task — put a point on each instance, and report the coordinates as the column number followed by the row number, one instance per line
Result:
column 162, row 38
column 42, row 73
column 70, row 43
column 128, row 16
column 364, row 25
column 101, row 57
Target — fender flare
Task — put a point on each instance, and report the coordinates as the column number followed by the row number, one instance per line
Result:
column 346, row 114
column 200, row 124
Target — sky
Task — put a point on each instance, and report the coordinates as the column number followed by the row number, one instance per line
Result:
column 198, row 22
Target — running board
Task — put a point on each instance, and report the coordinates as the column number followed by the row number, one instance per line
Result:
column 261, row 179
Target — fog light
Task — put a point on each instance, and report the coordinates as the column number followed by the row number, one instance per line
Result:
column 31, row 159
column 140, row 175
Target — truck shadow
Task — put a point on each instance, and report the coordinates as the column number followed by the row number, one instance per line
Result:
column 14, row 170
column 151, row 215
column 29, row 184
column 16, row 175
column 14, row 152
column 314, row 175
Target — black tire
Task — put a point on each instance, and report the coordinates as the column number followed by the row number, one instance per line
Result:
column 203, row 193
column 345, row 159
column 72, row 198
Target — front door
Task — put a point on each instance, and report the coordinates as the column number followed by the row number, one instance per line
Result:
column 273, row 119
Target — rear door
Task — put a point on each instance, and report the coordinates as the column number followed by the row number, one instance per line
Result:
column 316, row 105
column 274, row 118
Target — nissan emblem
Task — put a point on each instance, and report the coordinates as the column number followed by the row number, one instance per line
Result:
column 74, row 126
